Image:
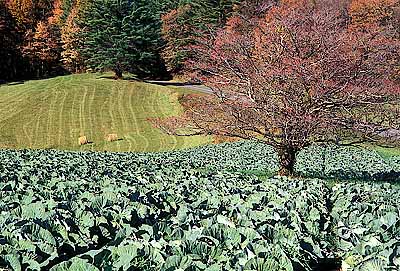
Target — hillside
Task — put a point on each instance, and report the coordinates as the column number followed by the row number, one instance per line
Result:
column 53, row 113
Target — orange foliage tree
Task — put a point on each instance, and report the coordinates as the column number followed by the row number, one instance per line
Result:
column 298, row 75
column 28, row 13
column 42, row 45
column 365, row 13
column 22, row 11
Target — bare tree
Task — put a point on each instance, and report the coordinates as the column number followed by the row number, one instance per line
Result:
column 296, row 76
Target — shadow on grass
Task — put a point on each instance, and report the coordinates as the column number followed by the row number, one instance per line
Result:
column 124, row 78
column 391, row 177
column 172, row 84
column 161, row 80
column 5, row 83
column 16, row 83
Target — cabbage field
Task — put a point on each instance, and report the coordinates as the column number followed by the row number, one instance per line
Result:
column 198, row 209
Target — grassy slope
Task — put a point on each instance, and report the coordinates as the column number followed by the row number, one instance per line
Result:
column 385, row 152
column 53, row 113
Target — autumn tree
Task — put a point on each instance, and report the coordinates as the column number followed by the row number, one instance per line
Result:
column 42, row 45
column 296, row 76
column 365, row 13
column 22, row 17
column 22, row 11
column 9, row 41
column 28, row 13
column 43, row 48
column 121, row 35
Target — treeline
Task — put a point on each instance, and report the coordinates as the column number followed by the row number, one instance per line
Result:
column 149, row 38
column 43, row 38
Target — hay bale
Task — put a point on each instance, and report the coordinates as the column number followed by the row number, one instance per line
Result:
column 111, row 137
column 82, row 140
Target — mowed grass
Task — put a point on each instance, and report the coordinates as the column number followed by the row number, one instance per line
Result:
column 53, row 113
column 385, row 152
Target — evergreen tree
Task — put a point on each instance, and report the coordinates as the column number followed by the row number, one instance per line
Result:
column 165, row 6
column 121, row 35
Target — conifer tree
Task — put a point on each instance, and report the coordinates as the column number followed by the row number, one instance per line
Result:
column 122, row 36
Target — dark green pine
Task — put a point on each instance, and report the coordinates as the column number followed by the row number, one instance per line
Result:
column 122, row 36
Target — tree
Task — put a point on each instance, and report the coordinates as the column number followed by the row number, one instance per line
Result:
column 43, row 48
column 9, row 41
column 177, row 34
column 70, row 56
column 28, row 13
column 21, row 18
column 184, row 25
column 296, row 76
column 365, row 13
column 42, row 45
column 121, row 35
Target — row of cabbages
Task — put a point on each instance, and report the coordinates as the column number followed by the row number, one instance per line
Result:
column 331, row 161
column 319, row 161
column 103, row 211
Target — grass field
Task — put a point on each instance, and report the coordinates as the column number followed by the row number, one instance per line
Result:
column 53, row 113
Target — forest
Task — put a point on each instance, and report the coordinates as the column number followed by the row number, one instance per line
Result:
column 45, row 38
column 156, row 38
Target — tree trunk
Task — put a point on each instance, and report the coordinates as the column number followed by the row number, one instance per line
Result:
column 118, row 73
column 287, row 158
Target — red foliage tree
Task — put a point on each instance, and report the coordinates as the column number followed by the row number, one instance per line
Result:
column 296, row 76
